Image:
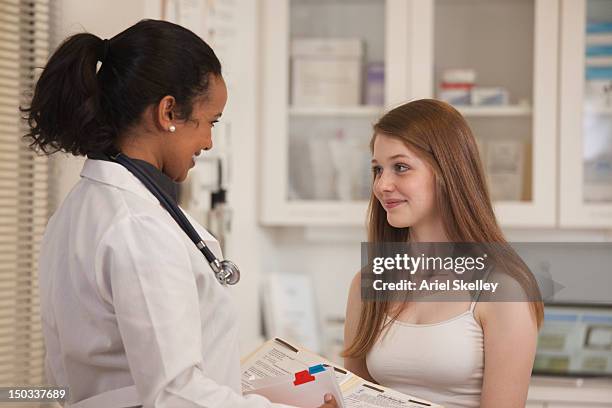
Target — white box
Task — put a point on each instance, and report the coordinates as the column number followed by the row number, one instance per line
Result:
column 326, row 72
column 504, row 168
column 598, row 178
column 489, row 96
column 455, row 96
column 598, row 93
column 459, row 76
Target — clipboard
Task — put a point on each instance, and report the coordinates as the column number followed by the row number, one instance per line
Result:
column 276, row 363
column 304, row 389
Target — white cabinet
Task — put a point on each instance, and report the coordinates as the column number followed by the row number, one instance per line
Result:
column 316, row 155
column 586, row 114
column 485, row 37
column 546, row 392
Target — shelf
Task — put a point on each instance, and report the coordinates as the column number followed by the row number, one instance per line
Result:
column 317, row 213
column 508, row 110
column 598, row 110
column 354, row 111
column 579, row 391
column 361, row 111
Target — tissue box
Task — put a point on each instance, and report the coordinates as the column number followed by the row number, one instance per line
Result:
column 456, row 86
column 326, row 72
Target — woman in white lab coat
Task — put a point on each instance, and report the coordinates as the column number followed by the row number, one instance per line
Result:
column 132, row 313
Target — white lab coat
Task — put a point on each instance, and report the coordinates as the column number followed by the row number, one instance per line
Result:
column 127, row 299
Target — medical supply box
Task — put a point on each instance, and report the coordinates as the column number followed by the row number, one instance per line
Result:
column 326, row 72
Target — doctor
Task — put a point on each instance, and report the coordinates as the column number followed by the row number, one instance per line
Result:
column 132, row 312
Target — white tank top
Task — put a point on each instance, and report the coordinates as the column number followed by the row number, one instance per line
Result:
column 440, row 362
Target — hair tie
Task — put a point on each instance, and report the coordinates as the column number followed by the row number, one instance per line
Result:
column 105, row 49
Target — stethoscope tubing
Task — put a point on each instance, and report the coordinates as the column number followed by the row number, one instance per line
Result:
column 224, row 276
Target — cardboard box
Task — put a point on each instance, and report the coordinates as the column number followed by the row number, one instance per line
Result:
column 326, row 72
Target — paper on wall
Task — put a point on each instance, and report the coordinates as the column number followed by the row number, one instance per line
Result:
column 289, row 309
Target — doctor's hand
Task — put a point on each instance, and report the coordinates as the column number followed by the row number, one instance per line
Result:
column 329, row 402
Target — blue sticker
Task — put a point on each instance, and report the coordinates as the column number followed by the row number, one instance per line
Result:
column 316, row 369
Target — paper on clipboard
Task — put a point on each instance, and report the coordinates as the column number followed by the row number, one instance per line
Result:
column 278, row 357
column 363, row 394
column 304, row 389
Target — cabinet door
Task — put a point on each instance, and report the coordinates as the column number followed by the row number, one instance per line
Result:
column 326, row 69
column 318, row 104
column 586, row 113
column 496, row 62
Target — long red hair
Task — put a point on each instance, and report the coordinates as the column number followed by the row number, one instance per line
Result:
column 437, row 133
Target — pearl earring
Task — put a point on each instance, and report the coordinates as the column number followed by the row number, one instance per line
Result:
column 172, row 128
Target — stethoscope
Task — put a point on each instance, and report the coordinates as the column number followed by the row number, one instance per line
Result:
column 226, row 272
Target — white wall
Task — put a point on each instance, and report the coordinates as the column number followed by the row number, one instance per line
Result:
column 246, row 237
column 331, row 256
column 104, row 19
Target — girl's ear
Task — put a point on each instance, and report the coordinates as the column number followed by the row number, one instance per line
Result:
column 165, row 112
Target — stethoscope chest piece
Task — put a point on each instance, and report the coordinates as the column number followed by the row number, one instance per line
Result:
column 226, row 272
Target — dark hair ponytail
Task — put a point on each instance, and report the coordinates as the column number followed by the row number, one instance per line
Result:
column 78, row 110
column 65, row 108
